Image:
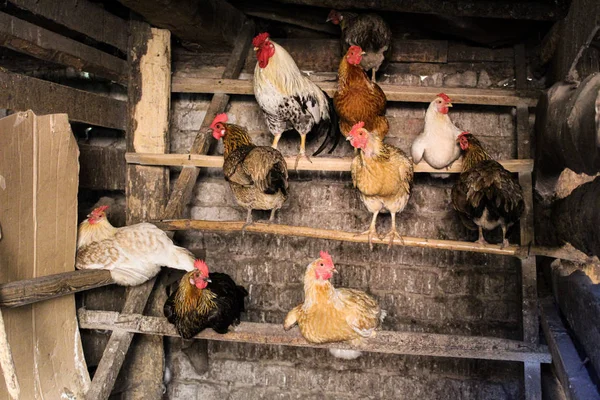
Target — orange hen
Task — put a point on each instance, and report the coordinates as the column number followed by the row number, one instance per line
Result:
column 333, row 315
column 358, row 98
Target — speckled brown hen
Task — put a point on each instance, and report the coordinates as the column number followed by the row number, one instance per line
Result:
column 333, row 315
column 357, row 98
column 486, row 195
column 257, row 175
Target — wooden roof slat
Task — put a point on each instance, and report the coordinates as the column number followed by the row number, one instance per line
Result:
column 418, row 94
column 411, row 343
column 317, row 164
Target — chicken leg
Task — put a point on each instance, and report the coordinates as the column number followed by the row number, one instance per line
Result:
column 481, row 239
column 248, row 220
column 504, row 239
column 302, row 152
column 276, row 140
column 393, row 233
column 373, row 73
column 371, row 231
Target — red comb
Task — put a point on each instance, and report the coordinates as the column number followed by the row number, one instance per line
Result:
column 355, row 48
column 463, row 134
column 100, row 209
column 201, row 266
column 355, row 127
column 445, row 97
column 326, row 257
column 219, row 118
column 260, row 39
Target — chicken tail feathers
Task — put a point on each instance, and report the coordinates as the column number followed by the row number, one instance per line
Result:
column 345, row 354
column 330, row 127
column 277, row 180
column 181, row 258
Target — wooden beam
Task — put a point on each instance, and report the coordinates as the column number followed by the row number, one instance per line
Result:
column 20, row 93
column 409, row 343
column 317, row 164
column 329, row 234
column 41, row 43
column 27, row 291
column 146, row 192
column 182, row 190
column 214, row 24
column 575, row 379
column 526, row 10
column 102, row 167
column 419, row 94
column 76, row 16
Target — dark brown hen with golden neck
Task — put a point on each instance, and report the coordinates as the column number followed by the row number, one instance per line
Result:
column 257, row 175
column 486, row 195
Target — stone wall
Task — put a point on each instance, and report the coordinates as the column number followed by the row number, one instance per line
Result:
column 423, row 290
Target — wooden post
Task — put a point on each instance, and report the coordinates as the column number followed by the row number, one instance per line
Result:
column 146, row 191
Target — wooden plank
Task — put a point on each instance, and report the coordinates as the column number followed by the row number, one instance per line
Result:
column 27, row 291
column 410, row 343
column 182, row 190
column 329, row 234
column 506, row 9
column 317, row 164
column 419, row 94
column 41, row 43
column 146, row 195
column 102, row 167
column 533, row 380
column 20, row 93
column 459, row 52
column 575, row 380
column 214, row 24
column 520, row 66
column 76, row 16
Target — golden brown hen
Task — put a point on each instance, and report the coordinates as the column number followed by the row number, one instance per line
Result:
column 257, row 175
column 333, row 315
column 383, row 174
column 357, row 98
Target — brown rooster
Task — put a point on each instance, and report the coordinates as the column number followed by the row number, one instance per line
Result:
column 368, row 31
column 383, row 174
column 486, row 195
column 204, row 300
column 133, row 254
column 333, row 315
column 357, row 98
column 257, row 175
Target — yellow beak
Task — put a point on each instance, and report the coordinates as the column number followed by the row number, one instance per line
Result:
column 449, row 104
column 363, row 53
column 256, row 48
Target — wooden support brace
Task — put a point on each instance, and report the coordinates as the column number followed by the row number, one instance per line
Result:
column 390, row 342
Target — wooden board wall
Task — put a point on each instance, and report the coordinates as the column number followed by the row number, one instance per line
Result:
column 38, row 212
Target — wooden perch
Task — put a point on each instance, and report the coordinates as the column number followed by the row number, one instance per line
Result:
column 7, row 363
column 317, row 164
column 330, row 234
column 422, row 344
column 27, row 291
column 418, row 94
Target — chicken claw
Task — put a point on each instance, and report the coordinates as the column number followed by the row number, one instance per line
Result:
column 248, row 222
column 298, row 157
column 370, row 232
column 393, row 234
column 481, row 239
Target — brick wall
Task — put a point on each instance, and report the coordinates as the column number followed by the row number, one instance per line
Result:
column 422, row 290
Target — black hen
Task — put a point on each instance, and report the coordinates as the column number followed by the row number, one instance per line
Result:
column 204, row 300
column 368, row 31
column 486, row 195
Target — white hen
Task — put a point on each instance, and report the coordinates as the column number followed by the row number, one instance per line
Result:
column 133, row 254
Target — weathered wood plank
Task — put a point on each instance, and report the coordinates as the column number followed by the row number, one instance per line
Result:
column 20, row 93
column 527, row 10
column 146, row 193
column 77, row 15
column 41, row 43
column 575, row 380
column 27, row 291
column 212, row 23
column 423, row 344
column 330, row 234
column 420, row 94
column 102, row 167
column 458, row 52
column 317, row 164
column 182, row 190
